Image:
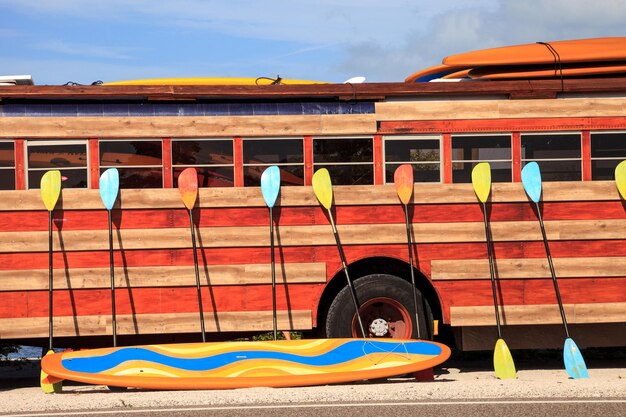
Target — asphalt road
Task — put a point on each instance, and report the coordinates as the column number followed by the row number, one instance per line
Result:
column 548, row 407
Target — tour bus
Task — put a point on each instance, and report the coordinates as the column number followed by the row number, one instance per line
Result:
column 575, row 129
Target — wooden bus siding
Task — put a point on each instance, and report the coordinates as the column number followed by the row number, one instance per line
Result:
column 236, row 252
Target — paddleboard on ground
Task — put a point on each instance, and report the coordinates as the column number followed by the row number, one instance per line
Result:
column 568, row 51
column 223, row 365
column 212, row 81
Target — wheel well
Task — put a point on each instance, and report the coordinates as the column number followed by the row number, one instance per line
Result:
column 376, row 265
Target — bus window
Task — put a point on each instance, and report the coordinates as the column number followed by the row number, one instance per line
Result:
column 350, row 161
column 7, row 166
column 286, row 153
column 69, row 157
column 558, row 155
column 139, row 162
column 469, row 150
column 607, row 150
column 212, row 158
column 423, row 153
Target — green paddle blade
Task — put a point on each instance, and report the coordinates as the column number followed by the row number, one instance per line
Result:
column 574, row 362
column 50, row 188
column 481, row 180
column 270, row 185
column 531, row 180
column 620, row 178
column 109, row 187
column 403, row 179
column 188, row 187
column 503, row 361
column 323, row 187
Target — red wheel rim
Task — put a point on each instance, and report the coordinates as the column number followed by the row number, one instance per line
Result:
column 384, row 317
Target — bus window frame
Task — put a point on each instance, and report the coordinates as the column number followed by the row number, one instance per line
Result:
column 45, row 142
column 414, row 138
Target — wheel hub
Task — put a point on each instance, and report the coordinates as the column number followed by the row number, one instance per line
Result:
column 379, row 327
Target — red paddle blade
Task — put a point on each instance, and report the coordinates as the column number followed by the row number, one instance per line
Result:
column 403, row 179
column 188, row 187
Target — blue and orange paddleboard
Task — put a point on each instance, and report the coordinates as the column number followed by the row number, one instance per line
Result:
column 223, row 365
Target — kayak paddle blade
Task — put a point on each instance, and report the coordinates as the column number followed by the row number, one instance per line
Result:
column 50, row 188
column 503, row 361
column 50, row 384
column 403, row 179
column 481, row 180
column 270, row 185
column 109, row 187
column 188, row 187
column 574, row 362
column 620, row 178
column 323, row 187
column 531, row 180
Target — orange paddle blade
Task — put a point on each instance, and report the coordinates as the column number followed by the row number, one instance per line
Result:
column 403, row 179
column 188, row 187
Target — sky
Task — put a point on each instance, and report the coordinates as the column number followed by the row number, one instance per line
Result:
column 82, row 41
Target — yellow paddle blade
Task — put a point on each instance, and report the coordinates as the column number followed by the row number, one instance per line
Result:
column 51, row 188
column 50, row 384
column 188, row 187
column 503, row 361
column 481, row 180
column 620, row 178
column 323, row 187
column 403, row 179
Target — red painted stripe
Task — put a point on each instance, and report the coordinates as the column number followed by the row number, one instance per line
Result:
column 166, row 146
column 238, row 161
column 516, row 154
column 586, row 155
column 20, row 180
column 446, row 145
column 159, row 300
column 502, row 125
column 378, row 159
column 257, row 216
column 94, row 164
column 308, row 160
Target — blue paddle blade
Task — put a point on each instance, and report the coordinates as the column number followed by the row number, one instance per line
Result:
column 270, row 185
column 531, row 180
column 109, row 187
column 574, row 362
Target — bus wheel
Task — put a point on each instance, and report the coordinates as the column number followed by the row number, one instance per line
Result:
column 385, row 306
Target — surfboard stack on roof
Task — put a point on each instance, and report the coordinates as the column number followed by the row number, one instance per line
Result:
column 559, row 59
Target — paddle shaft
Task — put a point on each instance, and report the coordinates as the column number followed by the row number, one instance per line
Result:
column 492, row 271
column 273, row 264
column 410, row 246
column 195, row 264
column 345, row 271
column 112, row 271
column 50, row 281
column 556, row 285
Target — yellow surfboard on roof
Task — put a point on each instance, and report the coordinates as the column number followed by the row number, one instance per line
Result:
column 213, row 81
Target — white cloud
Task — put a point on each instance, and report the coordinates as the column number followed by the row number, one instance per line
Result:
column 461, row 30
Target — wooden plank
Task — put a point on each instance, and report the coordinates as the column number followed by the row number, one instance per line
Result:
column 526, row 268
column 221, row 237
column 500, row 109
column 189, row 126
column 99, row 325
column 76, row 199
column 161, row 276
column 539, row 314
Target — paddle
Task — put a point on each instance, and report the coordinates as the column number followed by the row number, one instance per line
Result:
column 109, row 187
column 50, row 188
column 502, row 359
column 573, row 359
column 270, row 187
column 620, row 178
column 403, row 180
column 323, row 189
column 188, row 188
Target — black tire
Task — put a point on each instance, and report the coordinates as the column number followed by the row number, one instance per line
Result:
column 379, row 295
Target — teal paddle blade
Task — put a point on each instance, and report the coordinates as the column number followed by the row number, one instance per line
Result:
column 270, row 185
column 109, row 187
column 531, row 180
column 574, row 362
